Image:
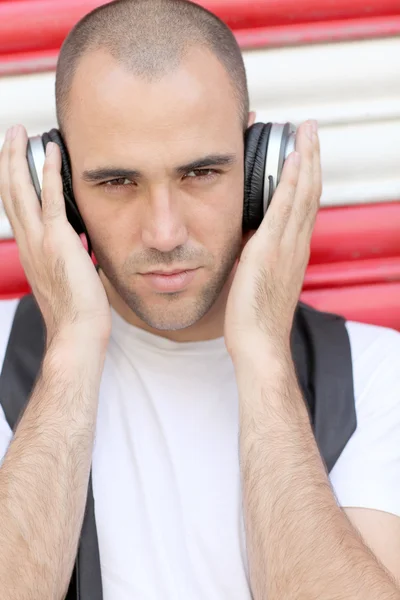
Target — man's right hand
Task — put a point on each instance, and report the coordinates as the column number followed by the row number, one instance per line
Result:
column 60, row 272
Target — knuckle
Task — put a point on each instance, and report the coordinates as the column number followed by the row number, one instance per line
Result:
column 284, row 211
column 310, row 210
column 52, row 212
column 309, row 168
column 50, row 204
column 286, row 189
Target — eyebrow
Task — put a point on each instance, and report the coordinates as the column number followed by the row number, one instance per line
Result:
column 104, row 173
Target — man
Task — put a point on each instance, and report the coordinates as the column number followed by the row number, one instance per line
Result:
column 153, row 366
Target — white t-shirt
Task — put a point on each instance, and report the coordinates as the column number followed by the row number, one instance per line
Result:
column 166, row 475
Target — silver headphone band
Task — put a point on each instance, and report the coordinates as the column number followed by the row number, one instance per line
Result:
column 281, row 143
column 38, row 156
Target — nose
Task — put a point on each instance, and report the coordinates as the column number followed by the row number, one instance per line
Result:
column 163, row 225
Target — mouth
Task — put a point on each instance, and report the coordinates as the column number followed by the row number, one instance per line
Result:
column 165, row 272
column 169, row 281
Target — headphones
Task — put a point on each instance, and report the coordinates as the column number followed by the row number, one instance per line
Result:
column 267, row 145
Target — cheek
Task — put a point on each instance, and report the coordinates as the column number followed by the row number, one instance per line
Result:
column 218, row 228
column 220, row 210
column 112, row 226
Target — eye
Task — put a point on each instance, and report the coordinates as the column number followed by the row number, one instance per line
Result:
column 203, row 174
column 118, row 184
column 121, row 181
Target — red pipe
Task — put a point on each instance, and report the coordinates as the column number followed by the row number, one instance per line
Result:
column 19, row 63
column 376, row 304
column 318, row 32
column 43, row 24
column 356, row 233
column 12, row 276
column 241, row 14
column 355, row 272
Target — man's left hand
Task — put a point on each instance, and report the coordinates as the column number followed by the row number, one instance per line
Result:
column 269, row 276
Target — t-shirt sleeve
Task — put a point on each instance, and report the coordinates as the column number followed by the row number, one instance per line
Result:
column 367, row 474
column 7, row 311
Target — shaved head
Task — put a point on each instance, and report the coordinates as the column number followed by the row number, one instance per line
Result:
column 152, row 104
column 149, row 38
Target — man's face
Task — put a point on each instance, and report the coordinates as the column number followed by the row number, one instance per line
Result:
column 158, row 178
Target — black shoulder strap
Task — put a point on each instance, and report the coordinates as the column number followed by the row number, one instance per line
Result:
column 23, row 359
column 21, row 367
column 325, row 373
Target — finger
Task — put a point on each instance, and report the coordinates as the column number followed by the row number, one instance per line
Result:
column 280, row 208
column 4, row 181
column 304, row 198
column 311, row 202
column 23, row 195
column 317, row 185
column 53, row 203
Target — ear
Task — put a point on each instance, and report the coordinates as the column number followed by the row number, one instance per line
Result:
column 252, row 118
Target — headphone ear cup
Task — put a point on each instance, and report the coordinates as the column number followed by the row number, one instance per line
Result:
column 256, row 146
column 72, row 211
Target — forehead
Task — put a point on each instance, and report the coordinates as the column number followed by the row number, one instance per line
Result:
column 189, row 108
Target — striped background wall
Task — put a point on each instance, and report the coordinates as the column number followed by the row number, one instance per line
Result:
column 335, row 61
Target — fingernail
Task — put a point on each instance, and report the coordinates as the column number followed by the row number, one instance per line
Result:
column 49, row 148
column 314, row 125
column 309, row 130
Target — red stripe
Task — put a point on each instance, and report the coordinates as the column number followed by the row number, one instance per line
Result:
column 12, row 277
column 38, row 61
column 356, row 233
column 325, row 31
column 376, row 304
column 356, row 272
column 240, row 14
column 43, row 24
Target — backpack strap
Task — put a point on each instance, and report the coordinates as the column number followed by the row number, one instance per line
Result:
column 21, row 367
column 330, row 380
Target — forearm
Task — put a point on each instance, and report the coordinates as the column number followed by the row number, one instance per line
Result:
column 44, row 476
column 300, row 543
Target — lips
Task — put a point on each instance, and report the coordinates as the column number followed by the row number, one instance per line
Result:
column 169, row 282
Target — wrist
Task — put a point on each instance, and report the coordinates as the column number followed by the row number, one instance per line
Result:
column 267, row 382
column 76, row 349
column 259, row 353
column 79, row 337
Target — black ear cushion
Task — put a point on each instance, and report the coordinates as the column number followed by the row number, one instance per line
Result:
column 256, row 146
column 72, row 211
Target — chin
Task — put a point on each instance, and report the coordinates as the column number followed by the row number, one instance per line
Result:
column 173, row 314
column 173, row 311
